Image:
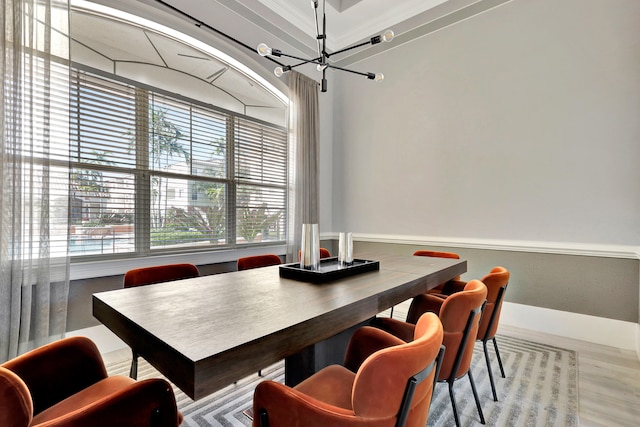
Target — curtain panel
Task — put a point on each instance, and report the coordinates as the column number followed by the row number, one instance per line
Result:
column 304, row 135
column 34, row 153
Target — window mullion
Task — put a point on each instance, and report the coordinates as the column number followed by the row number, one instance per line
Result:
column 231, row 187
column 143, row 177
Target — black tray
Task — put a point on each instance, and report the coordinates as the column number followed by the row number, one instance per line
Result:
column 329, row 270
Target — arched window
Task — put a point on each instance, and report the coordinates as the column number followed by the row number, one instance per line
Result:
column 174, row 145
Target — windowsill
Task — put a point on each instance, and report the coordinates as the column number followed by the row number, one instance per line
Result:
column 91, row 269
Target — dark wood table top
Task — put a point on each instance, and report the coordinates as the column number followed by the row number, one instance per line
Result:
column 207, row 332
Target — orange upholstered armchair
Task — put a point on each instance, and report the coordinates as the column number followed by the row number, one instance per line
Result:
column 438, row 254
column 324, row 253
column 390, row 383
column 258, row 261
column 496, row 282
column 65, row 383
column 156, row 274
column 460, row 314
column 434, row 254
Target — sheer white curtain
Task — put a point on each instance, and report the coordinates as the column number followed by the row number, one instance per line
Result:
column 304, row 131
column 34, row 262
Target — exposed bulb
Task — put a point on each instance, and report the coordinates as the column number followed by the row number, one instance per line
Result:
column 387, row 36
column 379, row 77
column 278, row 71
column 263, row 49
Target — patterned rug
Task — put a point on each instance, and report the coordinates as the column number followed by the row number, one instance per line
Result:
column 540, row 390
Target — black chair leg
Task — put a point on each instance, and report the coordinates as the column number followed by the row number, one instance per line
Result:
column 489, row 370
column 391, row 314
column 263, row 418
column 475, row 396
column 453, row 404
column 495, row 345
column 133, row 372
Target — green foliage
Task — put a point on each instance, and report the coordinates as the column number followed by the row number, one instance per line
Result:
column 253, row 221
column 163, row 237
column 90, row 181
column 208, row 221
column 115, row 218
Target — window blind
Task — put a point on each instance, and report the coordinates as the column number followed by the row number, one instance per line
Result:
column 153, row 172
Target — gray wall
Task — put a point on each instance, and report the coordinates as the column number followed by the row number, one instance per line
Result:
column 519, row 124
column 596, row 286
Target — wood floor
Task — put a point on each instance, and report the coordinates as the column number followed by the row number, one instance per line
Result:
column 608, row 379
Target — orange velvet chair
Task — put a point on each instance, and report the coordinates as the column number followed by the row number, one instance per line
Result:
column 258, row 261
column 438, row 254
column 156, row 274
column 324, row 253
column 434, row 254
column 496, row 282
column 385, row 382
column 65, row 383
column 460, row 314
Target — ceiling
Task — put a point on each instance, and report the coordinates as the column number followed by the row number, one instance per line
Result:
column 291, row 24
column 349, row 21
column 141, row 54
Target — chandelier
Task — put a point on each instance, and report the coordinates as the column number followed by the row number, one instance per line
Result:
column 321, row 60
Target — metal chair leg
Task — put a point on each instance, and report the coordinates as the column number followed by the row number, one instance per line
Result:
column 263, row 418
column 495, row 345
column 475, row 396
column 453, row 404
column 490, row 371
column 133, row 371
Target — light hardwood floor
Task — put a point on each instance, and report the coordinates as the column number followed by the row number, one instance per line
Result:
column 608, row 379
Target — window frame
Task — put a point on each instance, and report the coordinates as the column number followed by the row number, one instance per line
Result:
column 143, row 248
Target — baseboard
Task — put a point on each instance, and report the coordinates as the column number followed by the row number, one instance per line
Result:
column 106, row 340
column 598, row 330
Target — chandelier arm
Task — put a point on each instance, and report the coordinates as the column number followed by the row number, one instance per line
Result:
column 312, row 61
column 200, row 24
column 315, row 11
column 306, row 61
column 349, row 48
column 367, row 75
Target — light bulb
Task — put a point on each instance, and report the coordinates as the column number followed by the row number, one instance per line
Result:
column 321, row 67
column 379, row 77
column 387, row 36
column 278, row 71
column 263, row 49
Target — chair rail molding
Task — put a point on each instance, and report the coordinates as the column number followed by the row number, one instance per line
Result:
column 546, row 247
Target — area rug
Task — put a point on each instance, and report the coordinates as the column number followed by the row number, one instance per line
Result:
column 540, row 390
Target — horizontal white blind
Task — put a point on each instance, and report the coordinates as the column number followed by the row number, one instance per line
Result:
column 151, row 172
column 261, row 167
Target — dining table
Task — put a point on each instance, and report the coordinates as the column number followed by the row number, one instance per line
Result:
column 208, row 332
